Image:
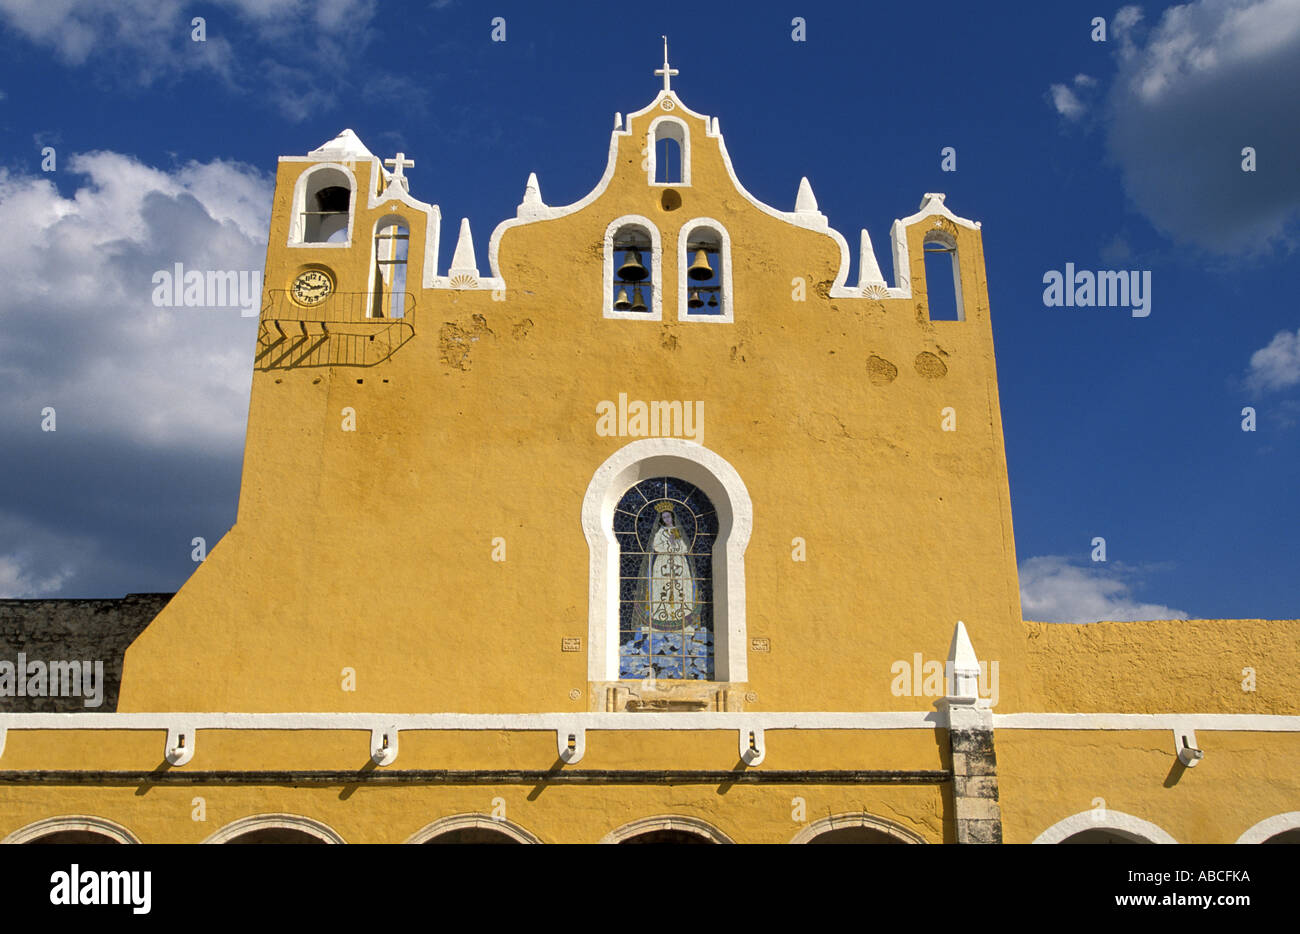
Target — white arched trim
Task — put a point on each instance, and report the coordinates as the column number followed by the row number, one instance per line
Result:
column 724, row 278
column 315, row 828
column 719, row 481
column 49, row 825
column 1125, row 825
column 673, row 128
column 647, row 227
column 667, row 822
column 296, row 222
column 471, row 822
column 1271, row 827
column 843, row 821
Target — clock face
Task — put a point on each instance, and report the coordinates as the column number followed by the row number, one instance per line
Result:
column 311, row 287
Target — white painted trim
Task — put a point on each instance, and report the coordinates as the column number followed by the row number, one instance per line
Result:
column 931, row 206
column 712, row 131
column 99, row 825
column 1104, row 819
column 1278, row 823
column 702, row 720
column 306, row 825
column 719, row 481
column 472, row 821
column 684, row 146
column 1232, row 722
column 299, row 204
column 843, row 821
column 646, row 226
column 724, row 257
column 678, row 822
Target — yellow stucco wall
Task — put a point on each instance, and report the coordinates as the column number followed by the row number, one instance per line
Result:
column 372, row 551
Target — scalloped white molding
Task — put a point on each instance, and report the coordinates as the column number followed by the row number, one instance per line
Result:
column 471, row 822
column 720, row 482
column 843, row 821
column 667, row 822
column 84, row 822
column 1105, row 819
column 315, row 828
column 1269, row 827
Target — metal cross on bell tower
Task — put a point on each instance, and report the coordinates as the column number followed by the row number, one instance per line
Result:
column 666, row 71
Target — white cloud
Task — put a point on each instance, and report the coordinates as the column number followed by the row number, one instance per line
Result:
column 79, row 329
column 1055, row 590
column 1276, row 365
column 1066, row 103
column 1210, row 78
column 18, row 582
column 1069, row 102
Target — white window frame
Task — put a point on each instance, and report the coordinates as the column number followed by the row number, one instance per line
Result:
column 684, row 312
column 719, row 481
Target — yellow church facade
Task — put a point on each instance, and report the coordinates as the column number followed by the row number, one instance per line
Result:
column 649, row 528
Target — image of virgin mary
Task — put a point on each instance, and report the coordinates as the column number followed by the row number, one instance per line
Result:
column 667, row 584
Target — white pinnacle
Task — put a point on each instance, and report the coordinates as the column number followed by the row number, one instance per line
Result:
column 805, row 202
column 868, row 268
column 462, row 261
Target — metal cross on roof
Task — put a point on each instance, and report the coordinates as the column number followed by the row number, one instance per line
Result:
column 666, row 71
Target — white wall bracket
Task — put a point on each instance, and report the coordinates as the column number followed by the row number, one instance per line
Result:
column 571, row 743
column 1185, row 744
column 383, row 745
column 180, row 745
column 752, row 747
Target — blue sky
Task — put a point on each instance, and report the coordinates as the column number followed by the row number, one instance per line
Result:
column 1123, row 154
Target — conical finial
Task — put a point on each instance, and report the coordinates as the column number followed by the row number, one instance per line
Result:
column 963, row 666
column 805, row 202
column 462, row 261
column 532, row 190
column 868, row 269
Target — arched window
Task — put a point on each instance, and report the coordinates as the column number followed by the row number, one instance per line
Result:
column 633, row 268
column 666, row 530
column 704, row 271
column 392, row 240
column 669, row 152
column 322, row 206
column 693, row 466
column 942, row 277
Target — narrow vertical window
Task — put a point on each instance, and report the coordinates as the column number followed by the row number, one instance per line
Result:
column 392, row 238
column 942, row 278
column 667, row 530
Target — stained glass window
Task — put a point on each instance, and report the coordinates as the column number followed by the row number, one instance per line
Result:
column 666, row 530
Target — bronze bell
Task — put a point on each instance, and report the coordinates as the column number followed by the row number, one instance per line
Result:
column 700, row 270
column 621, row 303
column 638, row 303
column 695, row 301
column 632, row 270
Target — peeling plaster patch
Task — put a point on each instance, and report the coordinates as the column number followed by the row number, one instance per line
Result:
column 455, row 342
column 880, row 371
column 930, row 366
